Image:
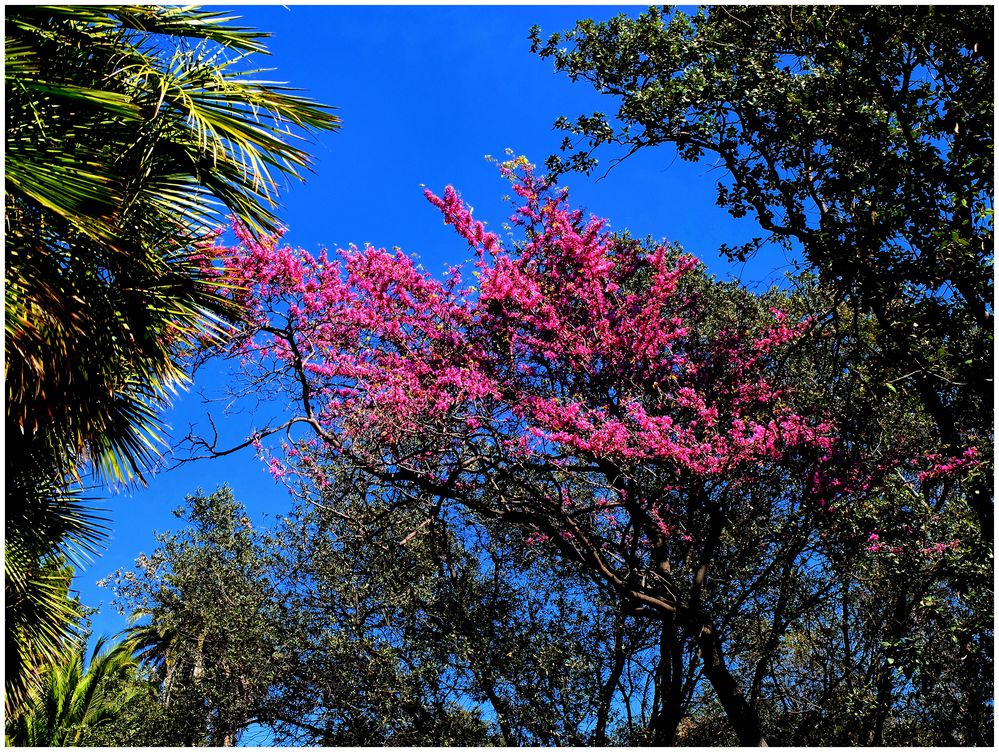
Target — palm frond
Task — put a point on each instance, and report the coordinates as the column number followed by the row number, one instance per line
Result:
column 74, row 699
column 40, row 620
column 109, row 144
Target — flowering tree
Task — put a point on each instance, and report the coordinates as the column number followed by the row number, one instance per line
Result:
column 585, row 388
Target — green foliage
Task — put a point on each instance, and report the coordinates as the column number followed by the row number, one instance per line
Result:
column 372, row 624
column 827, row 627
column 40, row 618
column 48, row 527
column 377, row 616
column 436, row 622
column 74, row 702
column 205, row 127
column 209, row 624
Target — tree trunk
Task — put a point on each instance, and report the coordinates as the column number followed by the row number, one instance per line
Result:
column 607, row 693
column 499, row 704
column 745, row 722
column 884, row 673
column 668, row 712
column 741, row 715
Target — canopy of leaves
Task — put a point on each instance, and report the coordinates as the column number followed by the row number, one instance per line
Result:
column 208, row 623
column 373, row 617
column 861, row 136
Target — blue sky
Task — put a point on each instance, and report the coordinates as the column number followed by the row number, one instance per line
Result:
column 424, row 94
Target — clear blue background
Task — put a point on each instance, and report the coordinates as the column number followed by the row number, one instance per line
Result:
column 424, row 94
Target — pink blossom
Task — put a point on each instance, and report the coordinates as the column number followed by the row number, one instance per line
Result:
column 535, row 538
column 575, row 345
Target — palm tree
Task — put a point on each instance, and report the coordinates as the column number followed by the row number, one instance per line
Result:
column 119, row 158
column 176, row 656
column 156, row 644
column 75, row 700
column 39, row 610
column 131, row 131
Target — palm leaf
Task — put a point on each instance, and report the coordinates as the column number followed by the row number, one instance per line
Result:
column 73, row 699
column 118, row 158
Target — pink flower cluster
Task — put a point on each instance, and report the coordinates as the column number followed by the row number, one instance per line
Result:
column 942, row 466
column 933, row 550
column 576, row 343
